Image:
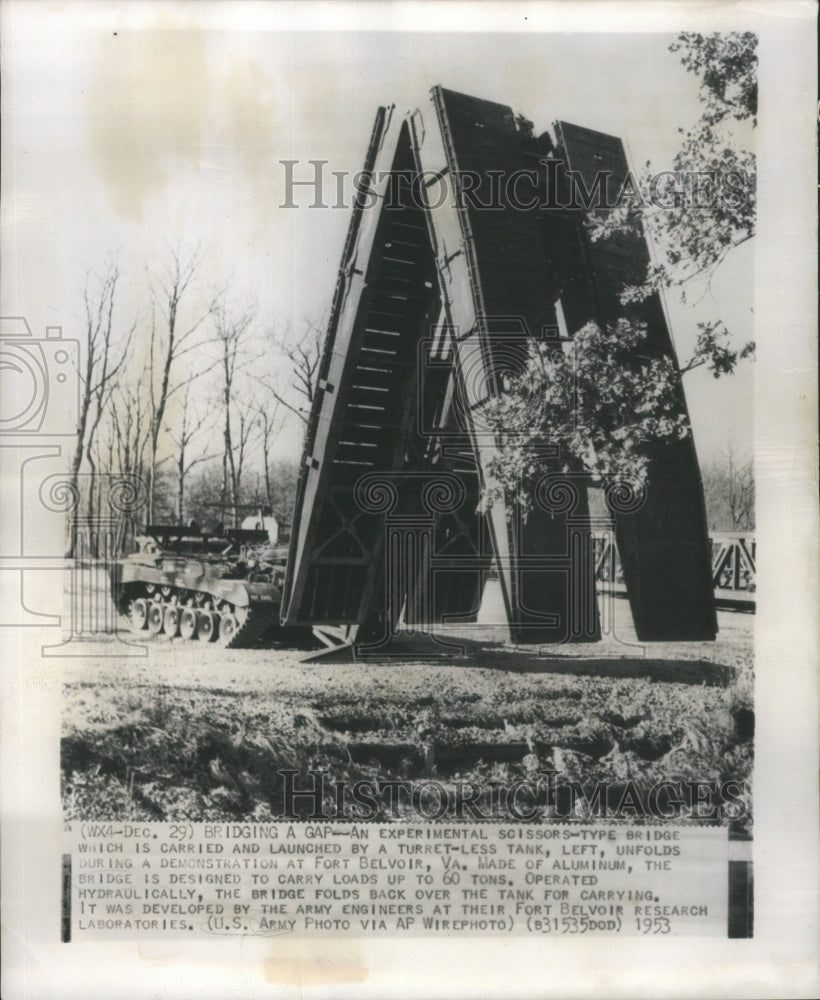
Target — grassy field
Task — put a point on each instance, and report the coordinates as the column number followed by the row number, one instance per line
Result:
column 196, row 732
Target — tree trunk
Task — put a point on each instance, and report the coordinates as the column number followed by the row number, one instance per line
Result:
column 181, row 485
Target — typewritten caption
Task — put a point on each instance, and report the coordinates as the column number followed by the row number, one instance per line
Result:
column 158, row 879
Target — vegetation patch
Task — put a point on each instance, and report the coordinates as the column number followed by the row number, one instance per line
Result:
column 162, row 739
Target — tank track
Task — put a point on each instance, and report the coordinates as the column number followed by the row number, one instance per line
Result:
column 253, row 630
column 257, row 624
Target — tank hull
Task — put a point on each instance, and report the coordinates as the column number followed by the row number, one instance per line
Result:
column 197, row 599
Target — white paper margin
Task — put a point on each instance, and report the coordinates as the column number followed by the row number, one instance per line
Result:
column 782, row 958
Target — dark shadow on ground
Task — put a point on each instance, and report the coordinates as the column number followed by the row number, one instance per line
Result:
column 471, row 653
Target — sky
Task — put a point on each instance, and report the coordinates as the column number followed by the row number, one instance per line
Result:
column 135, row 127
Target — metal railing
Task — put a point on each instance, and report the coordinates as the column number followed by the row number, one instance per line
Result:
column 733, row 566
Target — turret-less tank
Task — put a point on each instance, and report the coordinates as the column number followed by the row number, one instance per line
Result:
column 223, row 586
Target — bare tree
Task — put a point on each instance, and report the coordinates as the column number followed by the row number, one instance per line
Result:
column 171, row 343
column 729, row 490
column 123, row 441
column 232, row 334
column 190, row 426
column 129, row 429
column 105, row 356
column 303, row 357
column 269, row 422
column 284, row 476
column 245, row 424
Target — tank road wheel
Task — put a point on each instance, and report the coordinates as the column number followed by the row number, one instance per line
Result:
column 207, row 626
column 228, row 627
column 138, row 613
column 155, row 618
column 171, row 617
column 187, row 623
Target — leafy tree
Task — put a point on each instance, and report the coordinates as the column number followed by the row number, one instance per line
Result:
column 607, row 402
column 700, row 210
column 602, row 409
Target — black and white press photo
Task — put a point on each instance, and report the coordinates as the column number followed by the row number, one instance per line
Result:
column 409, row 513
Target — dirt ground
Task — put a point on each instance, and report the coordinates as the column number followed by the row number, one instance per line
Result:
column 199, row 732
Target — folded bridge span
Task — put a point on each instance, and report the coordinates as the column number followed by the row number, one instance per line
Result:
column 437, row 298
